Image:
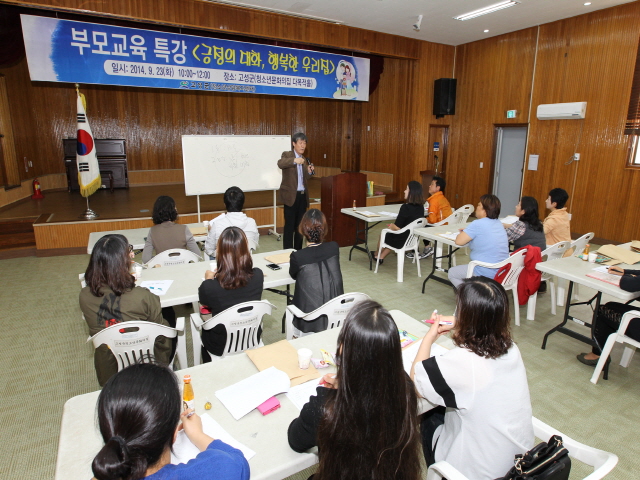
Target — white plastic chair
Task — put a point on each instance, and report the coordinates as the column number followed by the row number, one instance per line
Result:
column 131, row 342
column 619, row 337
column 578, row 247
column 335, row 309
column 174, row 256
column 601, row 461
column 510, row 281
column 458, row 217
column 410, row 244
column 552, row 253
column 241, row 323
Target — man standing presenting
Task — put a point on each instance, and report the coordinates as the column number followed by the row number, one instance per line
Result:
column 293, row 189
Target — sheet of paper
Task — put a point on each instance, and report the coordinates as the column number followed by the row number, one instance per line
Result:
column 157, row 287
column 509, row 219
column 533, row 162
column 389, row 214
column 242, row 397
column 300, row 394
column 450, row 236
column 367, row 213
column 283, row 356
column 184, row 450
column 409, row 354
column 601, row 269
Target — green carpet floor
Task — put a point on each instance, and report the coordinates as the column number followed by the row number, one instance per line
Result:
column 47, row 360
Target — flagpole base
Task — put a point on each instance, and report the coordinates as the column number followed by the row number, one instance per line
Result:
column 89, row 215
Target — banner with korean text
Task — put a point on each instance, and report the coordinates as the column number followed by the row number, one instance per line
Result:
column 90, row 53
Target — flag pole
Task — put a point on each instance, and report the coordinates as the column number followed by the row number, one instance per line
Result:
column 86, row 157
column 88, row 213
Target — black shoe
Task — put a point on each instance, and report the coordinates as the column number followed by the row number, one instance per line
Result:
column 543, row 287
column 375, row 259
column 591, row 363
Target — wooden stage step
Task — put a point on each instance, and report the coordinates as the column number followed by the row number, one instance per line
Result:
column 17, row 238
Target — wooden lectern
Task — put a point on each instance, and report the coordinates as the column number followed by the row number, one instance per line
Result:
column 339, row 191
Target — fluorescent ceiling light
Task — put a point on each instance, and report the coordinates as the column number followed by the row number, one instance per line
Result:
column 485, row 10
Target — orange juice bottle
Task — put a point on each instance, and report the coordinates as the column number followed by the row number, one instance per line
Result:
column 188, row 397
column 585, row 253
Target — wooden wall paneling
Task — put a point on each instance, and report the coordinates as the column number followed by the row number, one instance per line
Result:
column 10, row 170
column 494, row 75
column 588, row 58
column 436, row 61
column 229, row 19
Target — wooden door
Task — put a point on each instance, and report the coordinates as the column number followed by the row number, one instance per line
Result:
column 10, row 172
column 437, row 154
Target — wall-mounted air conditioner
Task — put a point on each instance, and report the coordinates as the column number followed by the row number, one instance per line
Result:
column 562, row 111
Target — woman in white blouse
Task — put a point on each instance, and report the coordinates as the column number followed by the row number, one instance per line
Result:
column 484, row 414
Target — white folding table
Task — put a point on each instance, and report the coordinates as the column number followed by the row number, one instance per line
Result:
column 368, row 222
column 434, row 234
column 575, row 270
column 80, row 440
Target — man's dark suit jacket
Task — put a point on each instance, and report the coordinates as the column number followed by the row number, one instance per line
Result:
column 289, row 185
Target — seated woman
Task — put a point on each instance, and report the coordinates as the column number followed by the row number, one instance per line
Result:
column 234, row 281
column 316, row 270
column 166, row 234
column 139, row 418
column 610, row 314
column 481, row 386
column 111, row 297
column 486, row 238
column 410, row 211
column 364, row 420
column 528, row 229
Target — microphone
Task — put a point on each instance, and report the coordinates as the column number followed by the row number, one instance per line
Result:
column 313, row 172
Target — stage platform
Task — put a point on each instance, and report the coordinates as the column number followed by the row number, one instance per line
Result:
column 58, row 230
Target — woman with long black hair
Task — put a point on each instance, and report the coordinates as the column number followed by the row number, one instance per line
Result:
column 365, row 421
column 139, row 418
column 111, row 297
column 410, row 211
column 527, row 230
column 234, row 281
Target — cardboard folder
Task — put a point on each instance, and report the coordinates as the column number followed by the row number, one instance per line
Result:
column 624, row 254
column 279, row 258
column 283, row 356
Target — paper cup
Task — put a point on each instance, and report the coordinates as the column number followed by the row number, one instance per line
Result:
column 205, row 224
column 137, row 272
column 213, row 266
column 304, row 358
column 592, row 257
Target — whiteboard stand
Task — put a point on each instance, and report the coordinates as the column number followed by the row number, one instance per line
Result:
column 274, row 231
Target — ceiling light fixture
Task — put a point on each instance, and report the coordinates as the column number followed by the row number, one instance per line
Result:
column 485, row 10
column 587, row 4
column 486, row 31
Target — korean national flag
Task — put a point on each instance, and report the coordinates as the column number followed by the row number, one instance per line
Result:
column 88, row 169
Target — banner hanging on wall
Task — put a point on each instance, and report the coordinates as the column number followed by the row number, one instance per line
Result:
column 90, row 53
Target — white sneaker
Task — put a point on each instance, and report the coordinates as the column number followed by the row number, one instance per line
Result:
column 426, row 252
column 409, row 255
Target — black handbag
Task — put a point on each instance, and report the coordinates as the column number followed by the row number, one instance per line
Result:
column 546, row 461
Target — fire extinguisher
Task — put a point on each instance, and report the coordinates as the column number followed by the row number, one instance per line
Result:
column 37, row 192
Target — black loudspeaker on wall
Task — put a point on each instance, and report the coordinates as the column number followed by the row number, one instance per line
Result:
column 444, row 97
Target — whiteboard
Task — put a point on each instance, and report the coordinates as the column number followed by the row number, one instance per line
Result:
column 213, row 163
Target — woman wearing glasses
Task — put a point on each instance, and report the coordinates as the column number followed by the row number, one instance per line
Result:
column 111, row 297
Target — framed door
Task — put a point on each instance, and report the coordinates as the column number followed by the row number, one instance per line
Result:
column 510, row 142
